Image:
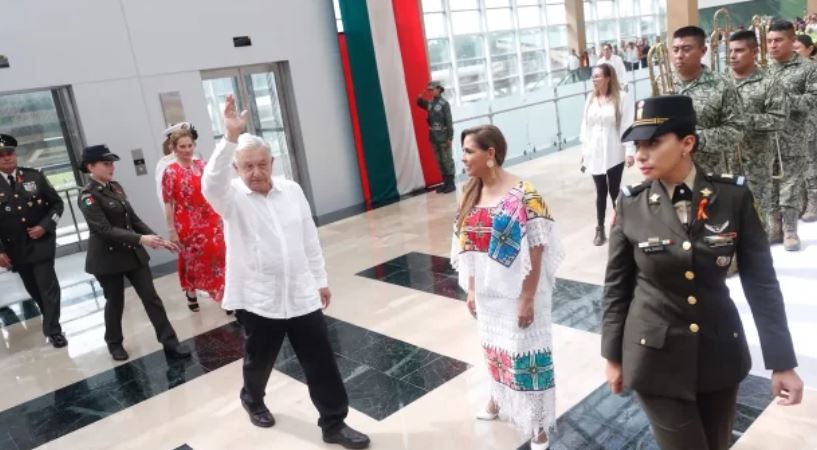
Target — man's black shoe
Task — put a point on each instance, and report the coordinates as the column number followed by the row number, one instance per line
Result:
column 177, row 351
column 259, row 416
column 58, row 340
column 118, row 352
column 347, row 437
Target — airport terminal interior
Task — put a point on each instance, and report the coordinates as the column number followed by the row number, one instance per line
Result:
column 332, row 89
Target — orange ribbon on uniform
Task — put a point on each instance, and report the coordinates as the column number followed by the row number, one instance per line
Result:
column 702, row 209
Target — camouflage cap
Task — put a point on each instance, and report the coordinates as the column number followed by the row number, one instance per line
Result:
column 435, row 85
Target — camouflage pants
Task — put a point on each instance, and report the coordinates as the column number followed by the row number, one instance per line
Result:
column 788, row 192
column 758, row 173
column 811, row 172
column 442, row 150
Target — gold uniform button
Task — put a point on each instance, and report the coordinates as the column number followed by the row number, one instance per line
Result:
column 24, row 219
column 690, row 275
column 686, row 245
column 643, row 341
column 692, row 300
column 735, row 335
column 694, row 328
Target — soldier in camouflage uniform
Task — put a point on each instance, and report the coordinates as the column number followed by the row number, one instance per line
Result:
column 805, row 47
column 810, row 187
column 798, row 76
column 441, row 132
column 714, row 97
column 766, row 112
column 811, row 173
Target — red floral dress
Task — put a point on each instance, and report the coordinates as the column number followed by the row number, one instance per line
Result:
column 200, row 230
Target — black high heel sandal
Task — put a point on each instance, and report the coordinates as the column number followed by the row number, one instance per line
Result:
column 192, row 302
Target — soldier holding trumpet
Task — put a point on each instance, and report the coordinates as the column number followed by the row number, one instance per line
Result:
column 716, row 101
column 766, row 112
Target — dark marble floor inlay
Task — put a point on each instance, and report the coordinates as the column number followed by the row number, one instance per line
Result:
column 73, row 294
column 601, row 421
column 575, row 304
column 381, row 374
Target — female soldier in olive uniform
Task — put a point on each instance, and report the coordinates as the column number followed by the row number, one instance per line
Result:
column 670, row 331
column 116, row 251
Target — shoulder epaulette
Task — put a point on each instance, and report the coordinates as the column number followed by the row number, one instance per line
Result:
column 727, row 178
column 632, row 191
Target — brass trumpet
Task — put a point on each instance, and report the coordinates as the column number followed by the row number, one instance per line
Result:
column 760, row 30
column 720, row 33
column 658, row 63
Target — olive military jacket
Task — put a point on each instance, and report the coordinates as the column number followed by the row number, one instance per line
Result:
column 667, row 315
column 115, row 230
column 32, row 202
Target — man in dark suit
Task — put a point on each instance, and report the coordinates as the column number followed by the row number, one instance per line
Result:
column 30, row 209
column 670, row 331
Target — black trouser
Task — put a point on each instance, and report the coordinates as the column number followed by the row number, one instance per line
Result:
column 703, row 424
column 310, row 340
column 113, row 286
column 42, row 285
column 607, row 183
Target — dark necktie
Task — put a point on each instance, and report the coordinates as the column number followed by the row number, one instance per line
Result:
column 12, row 182
column 682, row 194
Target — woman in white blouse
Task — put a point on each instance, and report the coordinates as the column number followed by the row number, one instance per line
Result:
column 607, row 113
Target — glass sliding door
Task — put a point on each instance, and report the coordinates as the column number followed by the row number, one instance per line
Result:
column 45, row 126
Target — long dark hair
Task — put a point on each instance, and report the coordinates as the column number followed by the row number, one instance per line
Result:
column 485, row 136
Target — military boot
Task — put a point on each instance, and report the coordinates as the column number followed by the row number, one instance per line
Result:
column 791, row 242
column 774, row 228
column 811, row 207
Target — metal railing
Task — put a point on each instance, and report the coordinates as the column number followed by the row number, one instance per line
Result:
column 632, row 79
column 71, row 237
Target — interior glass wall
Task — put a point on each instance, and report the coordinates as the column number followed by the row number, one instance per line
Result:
column 48, row 137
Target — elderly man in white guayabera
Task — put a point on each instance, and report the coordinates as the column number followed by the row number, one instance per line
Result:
column 275, row 281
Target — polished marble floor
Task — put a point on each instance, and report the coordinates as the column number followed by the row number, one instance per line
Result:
column 406, row 346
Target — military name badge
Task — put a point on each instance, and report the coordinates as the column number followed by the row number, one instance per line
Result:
column 88, row 200
column 654, row 245
column 55, row 217
column 30, row 186
column 723, row 261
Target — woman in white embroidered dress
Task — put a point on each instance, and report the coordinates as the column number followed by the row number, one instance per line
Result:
column 506, row 251
column 607, row 113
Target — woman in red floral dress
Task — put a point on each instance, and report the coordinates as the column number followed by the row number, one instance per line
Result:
column 192, row 223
